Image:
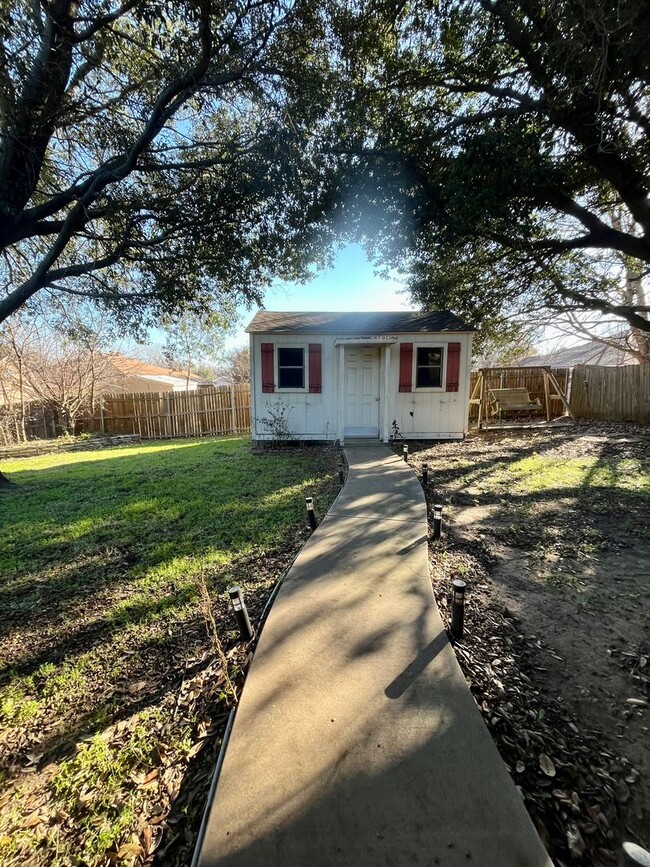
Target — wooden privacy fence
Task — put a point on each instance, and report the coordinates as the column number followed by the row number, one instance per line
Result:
column 39, row 421
column 612, row 393
column 530, row 378
column 158, row 415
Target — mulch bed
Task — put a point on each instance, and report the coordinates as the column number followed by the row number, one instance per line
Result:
column 571, row 786
column 576, row 787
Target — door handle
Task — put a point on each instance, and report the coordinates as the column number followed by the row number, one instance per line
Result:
column 377, row 398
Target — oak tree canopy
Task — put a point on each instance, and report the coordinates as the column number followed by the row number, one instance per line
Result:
column 499, row 150
column 147, row 156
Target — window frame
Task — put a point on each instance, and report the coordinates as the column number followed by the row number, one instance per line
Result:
column 305, row 368
column 443, row 366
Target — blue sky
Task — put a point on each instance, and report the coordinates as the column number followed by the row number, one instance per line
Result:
column 350, row 284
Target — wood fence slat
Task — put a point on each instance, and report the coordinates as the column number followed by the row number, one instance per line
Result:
column 164, row 415
column 612, row 393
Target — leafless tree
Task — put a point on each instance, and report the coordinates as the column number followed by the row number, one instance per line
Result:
column 56, row 354
column 234, row 365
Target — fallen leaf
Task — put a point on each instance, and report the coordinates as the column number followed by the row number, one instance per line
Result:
column 137, row 687
column 574, row 840
column 148, row 779
column 32, row 820
column 130, row 850
column 622, row 792
column 546, row 765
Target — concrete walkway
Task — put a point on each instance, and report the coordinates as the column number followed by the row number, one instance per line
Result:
column 357, row 741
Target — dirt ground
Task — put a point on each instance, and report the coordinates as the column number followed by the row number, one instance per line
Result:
column 551, row 531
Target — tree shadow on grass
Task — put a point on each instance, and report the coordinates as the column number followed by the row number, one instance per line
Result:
column 599, row 484
column 147, row 526
column 160, row 663
column 86, row 608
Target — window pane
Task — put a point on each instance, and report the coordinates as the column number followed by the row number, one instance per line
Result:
column 290, row 357
column 429, row 357
column 291, row 377
column 429, row 377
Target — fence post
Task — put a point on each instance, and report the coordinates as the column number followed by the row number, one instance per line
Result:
column 233, row 411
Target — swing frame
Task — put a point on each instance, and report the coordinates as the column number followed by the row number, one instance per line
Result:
column 481, row 396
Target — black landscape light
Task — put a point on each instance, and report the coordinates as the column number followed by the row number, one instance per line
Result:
column 241, row 613
column 457, row 608
column 437, row 521
column 309, row 502
column 405, row 451
column 341, row 474
column 425, row 474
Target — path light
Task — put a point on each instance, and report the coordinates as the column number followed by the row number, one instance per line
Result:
column 241, row 613
column 457, row 608
column 425, row 474
column 309, row 502
column 437, row 521
column 406, row 452
column 341, row 474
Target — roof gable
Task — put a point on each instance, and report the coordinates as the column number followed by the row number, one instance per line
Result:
column 402, row 322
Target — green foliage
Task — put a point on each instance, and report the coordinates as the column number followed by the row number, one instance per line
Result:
column 192, row 339
column 148, row 157
column 90, row 785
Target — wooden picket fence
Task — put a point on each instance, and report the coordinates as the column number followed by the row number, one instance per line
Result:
column 612, row 393
column 161, row 415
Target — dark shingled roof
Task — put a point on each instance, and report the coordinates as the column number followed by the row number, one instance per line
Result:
column 360, row 324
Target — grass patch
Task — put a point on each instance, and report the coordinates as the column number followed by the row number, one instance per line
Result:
column 102, row 634
column 563, row 500
column 541, row 473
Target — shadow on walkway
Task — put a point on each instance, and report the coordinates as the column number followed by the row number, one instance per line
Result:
column 357, row 740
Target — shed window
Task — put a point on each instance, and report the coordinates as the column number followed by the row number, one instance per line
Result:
column 291, row 367
column 429, row 367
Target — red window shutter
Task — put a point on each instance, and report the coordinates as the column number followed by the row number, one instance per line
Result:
column 268, row 368
column 453, row 366
column 406, row 367
column 315, row 369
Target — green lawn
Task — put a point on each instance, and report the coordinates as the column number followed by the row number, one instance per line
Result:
column 108, row 683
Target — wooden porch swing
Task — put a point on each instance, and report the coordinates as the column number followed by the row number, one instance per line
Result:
column 492, row 401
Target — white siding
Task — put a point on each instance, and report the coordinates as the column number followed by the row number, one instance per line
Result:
column 309, row 416
column 436, row 414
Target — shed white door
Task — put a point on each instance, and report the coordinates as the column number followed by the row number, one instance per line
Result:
column 361, row 392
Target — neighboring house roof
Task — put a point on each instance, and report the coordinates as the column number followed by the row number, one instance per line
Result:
column 135, row 367
column 403, row 322
column 590, row 352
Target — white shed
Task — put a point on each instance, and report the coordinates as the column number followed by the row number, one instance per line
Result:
column 342, row 376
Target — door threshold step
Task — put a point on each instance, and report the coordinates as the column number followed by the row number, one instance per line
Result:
column 361, row 441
